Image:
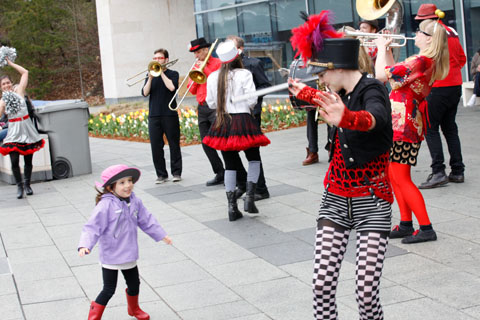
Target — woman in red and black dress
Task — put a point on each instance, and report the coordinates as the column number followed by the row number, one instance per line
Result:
column 411, row 82
column 235, row 128
column 22, row 137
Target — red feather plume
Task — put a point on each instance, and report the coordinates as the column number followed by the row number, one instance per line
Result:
column 308, row 37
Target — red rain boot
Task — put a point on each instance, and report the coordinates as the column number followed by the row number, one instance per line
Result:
column 96, row 311
column 134, row 309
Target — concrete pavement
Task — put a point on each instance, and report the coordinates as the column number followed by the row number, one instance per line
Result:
column 257, row 268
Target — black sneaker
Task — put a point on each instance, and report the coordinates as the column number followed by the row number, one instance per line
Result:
column 434, row 180
column 420, row 236
column 400, row 232
column 456, row 178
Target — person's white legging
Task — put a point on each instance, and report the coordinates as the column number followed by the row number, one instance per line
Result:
column 331, row 243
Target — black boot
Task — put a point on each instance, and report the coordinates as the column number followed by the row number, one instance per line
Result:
column 233, row 212
column 28, row 189
column 249, row 204
column 19, row 190
column 27, row 170
column 18, row 180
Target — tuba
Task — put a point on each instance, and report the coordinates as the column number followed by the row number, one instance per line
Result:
column 374, row 9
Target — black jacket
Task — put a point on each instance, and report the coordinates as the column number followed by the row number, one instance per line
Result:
column 360, row 147
column 255, row 66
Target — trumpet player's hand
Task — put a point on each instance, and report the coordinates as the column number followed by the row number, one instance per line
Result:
column 295, row 86
column 331, row 107
column 383, row 43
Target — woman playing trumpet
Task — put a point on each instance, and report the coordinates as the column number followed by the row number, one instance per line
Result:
column 411, row 82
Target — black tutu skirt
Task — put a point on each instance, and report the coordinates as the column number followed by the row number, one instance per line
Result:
column 24, row 149
column 238, row 133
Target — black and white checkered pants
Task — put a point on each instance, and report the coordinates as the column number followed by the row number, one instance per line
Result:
column 331, row 243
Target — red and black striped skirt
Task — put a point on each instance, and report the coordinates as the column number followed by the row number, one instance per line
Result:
column 238, row 133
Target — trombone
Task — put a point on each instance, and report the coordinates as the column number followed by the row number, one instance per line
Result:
column 154, row 68
column 368, row 36
column 196, row 75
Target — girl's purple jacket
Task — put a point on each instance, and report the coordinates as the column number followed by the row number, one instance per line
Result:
column 114, row 225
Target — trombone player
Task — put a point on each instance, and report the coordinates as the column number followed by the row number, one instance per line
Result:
column 162, row 120
column 206, row 116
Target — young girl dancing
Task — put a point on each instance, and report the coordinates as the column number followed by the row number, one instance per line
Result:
column 113, row 224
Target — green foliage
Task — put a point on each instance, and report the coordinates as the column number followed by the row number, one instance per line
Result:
column 44, row 32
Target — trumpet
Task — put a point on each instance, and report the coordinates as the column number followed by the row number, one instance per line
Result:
column 368, row 36
column 154, row 68
column 196, row 75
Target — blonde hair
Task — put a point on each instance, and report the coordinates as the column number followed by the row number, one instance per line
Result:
column 365, row 63
column 438, row 49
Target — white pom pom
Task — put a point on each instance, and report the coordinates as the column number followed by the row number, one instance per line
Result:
column 7, row 52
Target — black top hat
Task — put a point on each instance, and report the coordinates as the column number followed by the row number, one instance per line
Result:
column 198, row 44
column 337, row 53
column 373, row 23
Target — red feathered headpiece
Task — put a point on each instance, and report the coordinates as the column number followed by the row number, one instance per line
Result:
column 308, row 38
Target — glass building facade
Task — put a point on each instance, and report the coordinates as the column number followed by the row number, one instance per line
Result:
column 265, row 25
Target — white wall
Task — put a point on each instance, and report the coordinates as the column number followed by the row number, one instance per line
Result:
column 129, row 32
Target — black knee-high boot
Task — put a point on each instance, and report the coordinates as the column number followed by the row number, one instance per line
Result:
column 233, row 212
column 18, row 179
column 28, row 175
column 249, row 204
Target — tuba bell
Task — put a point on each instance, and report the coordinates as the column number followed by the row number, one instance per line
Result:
column 374, row 9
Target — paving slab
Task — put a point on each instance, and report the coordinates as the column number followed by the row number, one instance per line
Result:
column 198, row 294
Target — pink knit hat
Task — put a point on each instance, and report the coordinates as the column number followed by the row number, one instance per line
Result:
column 117, row 172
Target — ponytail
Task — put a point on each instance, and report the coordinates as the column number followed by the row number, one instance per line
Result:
column 222, row 89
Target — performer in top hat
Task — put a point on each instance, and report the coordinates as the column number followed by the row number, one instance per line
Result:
column 206, row 116
column 357, row 192
column 442, row 110
column 411, row 82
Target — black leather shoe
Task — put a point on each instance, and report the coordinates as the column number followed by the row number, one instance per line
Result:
column 456, row 178
column 420, row 236
column 218, row 179
column 400, row 232
column 434, row 180
column 261, row 195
